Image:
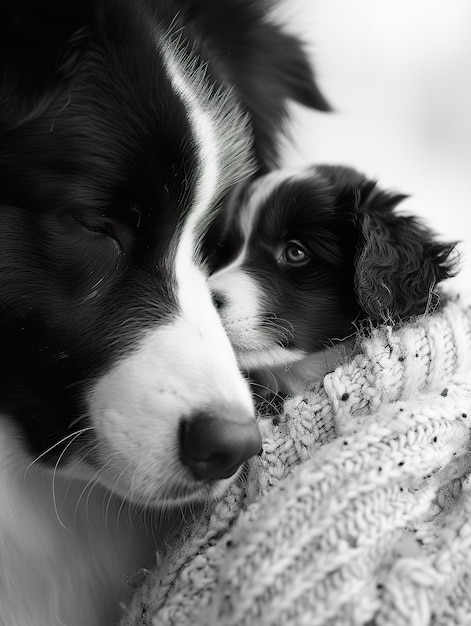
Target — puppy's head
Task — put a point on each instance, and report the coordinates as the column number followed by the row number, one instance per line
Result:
column 309, row 253
column 117, row 141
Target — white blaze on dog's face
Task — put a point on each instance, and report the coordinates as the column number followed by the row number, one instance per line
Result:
column 183, row 372
column 258, row 338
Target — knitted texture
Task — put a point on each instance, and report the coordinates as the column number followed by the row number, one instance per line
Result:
column 358, row 512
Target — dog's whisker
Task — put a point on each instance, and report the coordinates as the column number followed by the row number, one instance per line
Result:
column 271, row 394
column 111, row 491
column 124, row 504
column 54, row 477
column 110, row 495
column 108, row 502
column 282, row 325
column 88, row 485
column 74, row 470
column 76, row 421
column 72, row 436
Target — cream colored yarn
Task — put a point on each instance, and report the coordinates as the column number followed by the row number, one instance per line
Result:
column 358, row 512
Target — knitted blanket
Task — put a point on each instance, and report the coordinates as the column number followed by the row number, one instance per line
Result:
column 358, row 511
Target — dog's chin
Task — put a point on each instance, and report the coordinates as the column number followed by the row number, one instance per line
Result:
column 199, row 493
column 177, row 492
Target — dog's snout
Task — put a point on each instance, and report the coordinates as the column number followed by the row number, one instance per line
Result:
column 214, row 448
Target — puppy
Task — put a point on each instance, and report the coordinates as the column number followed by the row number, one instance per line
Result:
column 123, row 124
column 307, row 257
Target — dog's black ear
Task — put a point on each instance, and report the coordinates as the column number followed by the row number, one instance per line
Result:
column 297, row 73
column 268, row 65
column 398, row 260
column 40, row 42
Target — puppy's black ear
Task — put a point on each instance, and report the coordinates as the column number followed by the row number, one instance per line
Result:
column 40, row 42
column 399, row 262
column 396, row 259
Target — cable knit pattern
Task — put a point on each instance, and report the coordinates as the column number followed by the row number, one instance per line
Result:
column 358, row 512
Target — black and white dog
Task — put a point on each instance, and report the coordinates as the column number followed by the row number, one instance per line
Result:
column 307, row 257
column 123, row 124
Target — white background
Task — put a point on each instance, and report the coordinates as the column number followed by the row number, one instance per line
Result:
column 398, row 73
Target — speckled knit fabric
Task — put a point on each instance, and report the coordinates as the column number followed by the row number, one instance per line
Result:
column 358, row 512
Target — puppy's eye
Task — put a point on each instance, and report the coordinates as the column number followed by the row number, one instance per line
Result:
column 295, row 254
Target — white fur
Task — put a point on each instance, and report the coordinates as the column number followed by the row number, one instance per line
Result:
column 243, row 316
column 66, row 546
column 254, row 341
column 67, row 551
column 221, row 133
column 258, row 193
column 136, row 407
column 185, row 366
column 255, row 337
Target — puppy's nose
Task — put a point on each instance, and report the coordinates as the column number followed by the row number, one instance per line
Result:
column 214, row 448
column 219, row 299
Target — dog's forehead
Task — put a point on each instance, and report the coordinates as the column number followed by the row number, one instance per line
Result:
column 219, row 129
column 257, row 197
column 142, row 115
column 274, row 189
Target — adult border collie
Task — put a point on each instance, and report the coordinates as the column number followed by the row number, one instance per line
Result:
column 123, row 124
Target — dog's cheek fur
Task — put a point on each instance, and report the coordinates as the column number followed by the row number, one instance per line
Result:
column 239, row 300
column 322, row 316
column 70, row 306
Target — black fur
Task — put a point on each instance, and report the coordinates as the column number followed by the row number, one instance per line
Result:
column 397, row 260
column 366, row 260
column 108, row 339
column 95, row 159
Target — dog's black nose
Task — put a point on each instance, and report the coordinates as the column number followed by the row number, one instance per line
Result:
column 214, row 448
